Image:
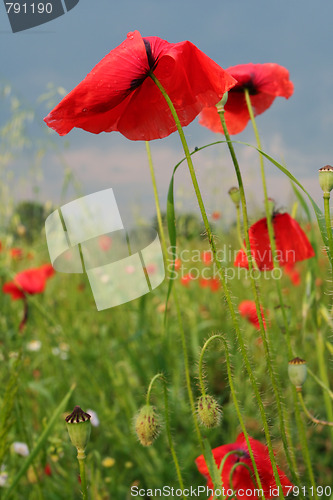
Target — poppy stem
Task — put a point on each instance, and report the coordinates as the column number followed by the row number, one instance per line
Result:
column 174, row 291
column 157, row 203
column 234, row 397
column 308, row 414
column 270, row 228
column 239, row 230
column 328, row 225
column 82, row 467
column 222, row 276
column 250, row 259
column 160, row 376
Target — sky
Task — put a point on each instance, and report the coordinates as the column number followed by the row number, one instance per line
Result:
column 297, row 132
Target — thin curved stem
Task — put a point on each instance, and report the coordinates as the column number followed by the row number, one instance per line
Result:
column 319, row 382
column 270, row 226
column 250, row 260
column 302, row 434
column 160, row 376
column 157, row 204
column 222, row 275
column 328, row 225
column 234, row 397
column 174, row 291
column 309, row 415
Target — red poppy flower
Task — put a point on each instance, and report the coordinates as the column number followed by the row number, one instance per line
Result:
column 247, row 309
column 30, row 281
column 178, row 264
column 119, row 95
column 292, row 244
column 293, row 274
column 215, row 284
column 105, row 242
column 186, row 279
column 16, row 253
column 204, row 282
column 206, row 256
column 216, row 215
column 241, row 480
column 263, row 81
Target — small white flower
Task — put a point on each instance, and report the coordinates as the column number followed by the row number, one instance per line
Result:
column 34, row 345
column 94, row 418
column 21, row 448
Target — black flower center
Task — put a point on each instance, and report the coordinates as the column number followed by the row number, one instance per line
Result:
column 249, row 85
column 151, row 63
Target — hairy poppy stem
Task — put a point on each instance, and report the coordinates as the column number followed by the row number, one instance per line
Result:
column 174, row 291
column 270, row 228
column 328, row 225
column 222, row 277
column 308, row 414
column 269, row 222
column 160, row 377
column 82, row 467
column 250, row 259
column 234, row 397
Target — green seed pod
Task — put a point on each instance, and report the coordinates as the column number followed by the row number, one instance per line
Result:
column 235, row 195
column 79, row 427
column 209, row 411
column 297, row 372
column 326, row 178
column 146, row 425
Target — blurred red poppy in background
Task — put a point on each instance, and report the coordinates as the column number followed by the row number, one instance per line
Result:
column 247, row 309
column 118, row 95
column 30, row 281
column 294, row 275
column 264, row 82
column 186, row 279
column 292, row 244
column 241, row 477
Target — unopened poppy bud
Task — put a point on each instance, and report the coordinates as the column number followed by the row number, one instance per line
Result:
column 147, row 425
column 209, row 411
column 326, row 178
column 79, row 427
column 235, row 195
column 297, row 372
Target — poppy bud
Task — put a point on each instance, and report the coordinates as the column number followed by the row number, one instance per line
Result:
column 235, row 195
column 146, row 425
column 326, row 178
column 209, row 411
column 297, row 372
column 79, row 426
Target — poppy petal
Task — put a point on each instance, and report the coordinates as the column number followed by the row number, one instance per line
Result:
column 292, row 244
column 119, row 95
column 264, row 82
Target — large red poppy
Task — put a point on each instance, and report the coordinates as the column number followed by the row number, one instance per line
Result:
column 247, row 309
column 263, row 81
column 241, row 481
column 119, row 95
column 292, row 244
column 30, row 281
